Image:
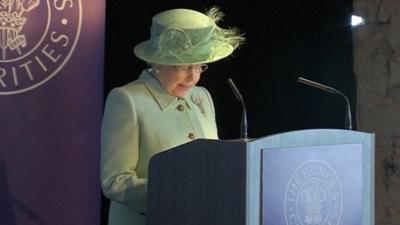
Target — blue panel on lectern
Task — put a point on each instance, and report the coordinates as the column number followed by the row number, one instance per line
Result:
column 317, row 185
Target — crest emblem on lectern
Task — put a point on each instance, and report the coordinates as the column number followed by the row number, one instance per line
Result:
column 313, row 195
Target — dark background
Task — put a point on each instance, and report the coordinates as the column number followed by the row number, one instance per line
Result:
column 285, row 40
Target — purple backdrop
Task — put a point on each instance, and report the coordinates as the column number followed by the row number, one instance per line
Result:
column 51, row 79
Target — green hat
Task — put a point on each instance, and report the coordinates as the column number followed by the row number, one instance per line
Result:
column 184, row 36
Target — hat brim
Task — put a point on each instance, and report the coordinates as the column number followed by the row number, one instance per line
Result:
column 148, row 53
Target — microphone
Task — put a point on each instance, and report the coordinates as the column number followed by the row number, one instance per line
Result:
column 243, row 125
column 348, row 122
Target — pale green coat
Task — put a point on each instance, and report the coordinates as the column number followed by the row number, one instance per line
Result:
column 140, row 120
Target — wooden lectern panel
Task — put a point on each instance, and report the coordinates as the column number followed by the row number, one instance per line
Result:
column 203, row 185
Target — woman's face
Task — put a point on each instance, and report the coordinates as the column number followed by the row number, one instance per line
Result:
column 178, row 80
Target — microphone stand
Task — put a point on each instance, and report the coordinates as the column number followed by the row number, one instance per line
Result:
column 348, row 121
column 243, row 124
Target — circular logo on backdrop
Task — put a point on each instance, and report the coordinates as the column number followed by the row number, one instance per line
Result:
column 37, row 38
column 313, row 195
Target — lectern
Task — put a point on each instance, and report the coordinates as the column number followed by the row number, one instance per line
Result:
column 306, row 177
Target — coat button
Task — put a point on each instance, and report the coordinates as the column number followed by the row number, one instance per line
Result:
column 191, row 136
column 180, row 108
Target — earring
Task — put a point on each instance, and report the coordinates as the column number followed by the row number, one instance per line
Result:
column 156, row 71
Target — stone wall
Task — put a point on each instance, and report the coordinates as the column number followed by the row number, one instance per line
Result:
column 377, row 70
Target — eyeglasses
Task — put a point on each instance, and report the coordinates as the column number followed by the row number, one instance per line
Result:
column 198, row 68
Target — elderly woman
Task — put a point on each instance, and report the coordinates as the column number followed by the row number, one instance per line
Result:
column 163, row 108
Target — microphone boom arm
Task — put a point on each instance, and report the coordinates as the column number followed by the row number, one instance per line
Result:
column 332, row 91
column 243, row 125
